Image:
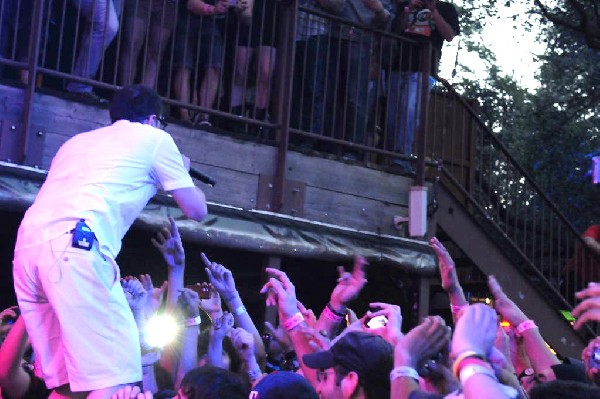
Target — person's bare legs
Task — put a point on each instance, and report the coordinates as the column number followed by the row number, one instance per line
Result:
column 266, row 66
column 242, row 57
column 181, row 90
column 134, row 32
column 209, row 86
column 159, row 37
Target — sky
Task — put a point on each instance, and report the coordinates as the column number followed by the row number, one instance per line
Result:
column 515, row 49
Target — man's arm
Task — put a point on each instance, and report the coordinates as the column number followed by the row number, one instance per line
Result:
column 191, row 201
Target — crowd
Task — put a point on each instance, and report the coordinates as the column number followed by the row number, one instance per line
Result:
column 221, row 54
column 217, row 351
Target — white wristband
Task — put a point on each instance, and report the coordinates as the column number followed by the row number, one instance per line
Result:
column 404, row 371
column 472, row 369
column 196, row 321
column 240, row 310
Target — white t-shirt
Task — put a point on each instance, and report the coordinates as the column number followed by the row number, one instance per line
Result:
column 106, row 176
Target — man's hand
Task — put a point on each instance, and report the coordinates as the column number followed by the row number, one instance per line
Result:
column 589, row 308
column 475, row 330
column 447, row 268
column 221, row 278
column 308, row 314
column 168, row 242
column 221, row 327
column 134, row 293
column 348, row 285
column 587, row 354
column 154, row 295
column 242, row 5
column 243, row 342
column 189, row 302
column 9, row 314
column 504, row 305
column 282, row 291
column 422, row 342
column 392, row 331
column 212, row 305
column 221, row 7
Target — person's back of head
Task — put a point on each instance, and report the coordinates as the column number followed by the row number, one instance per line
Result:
column 135, row 103
column 564, row 389
column 213, row 383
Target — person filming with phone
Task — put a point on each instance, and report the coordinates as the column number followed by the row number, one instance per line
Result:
column 65, row 274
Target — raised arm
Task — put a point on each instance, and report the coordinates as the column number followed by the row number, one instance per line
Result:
column 14, row 381
column 538, row 352
column 168, row 242
column 449, row 278
column 222, row 280
column 349, row 286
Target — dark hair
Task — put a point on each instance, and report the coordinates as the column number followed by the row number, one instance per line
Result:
column 564, row 389
column 213, row 383
column 135, row 103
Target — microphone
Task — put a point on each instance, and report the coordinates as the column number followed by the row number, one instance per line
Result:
column 195, row 173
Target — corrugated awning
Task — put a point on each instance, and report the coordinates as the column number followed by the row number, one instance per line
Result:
column 247, row 229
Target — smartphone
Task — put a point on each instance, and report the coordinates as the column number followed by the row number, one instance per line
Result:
column 377, row 322
column 203, row 290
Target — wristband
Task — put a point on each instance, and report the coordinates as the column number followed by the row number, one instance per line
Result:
column 293, row 322
column 463, row 356
column 404, row 371
column 193, row 321
column 456, row 309
column 524, row 326
column 335, row 312
column 331, row 315
column 240, row 310
column 469, row 371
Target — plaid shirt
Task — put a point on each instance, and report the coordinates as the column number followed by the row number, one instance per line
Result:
column 310, row 24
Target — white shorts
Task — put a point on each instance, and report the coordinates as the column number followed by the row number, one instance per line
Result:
column 81, row 328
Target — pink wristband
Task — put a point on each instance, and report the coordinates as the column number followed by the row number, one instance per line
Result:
column 293, row 321
column 331, row 316
column 524, row 326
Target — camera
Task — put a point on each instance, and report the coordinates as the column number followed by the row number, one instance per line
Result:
column 377, row 322
column 203, row 290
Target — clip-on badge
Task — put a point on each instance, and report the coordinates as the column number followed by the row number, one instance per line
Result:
column 83, row 236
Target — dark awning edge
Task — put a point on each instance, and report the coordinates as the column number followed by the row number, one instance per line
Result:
column 247, row 229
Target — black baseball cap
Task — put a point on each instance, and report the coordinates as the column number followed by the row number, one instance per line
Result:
column 135, row 102
column 369, row 355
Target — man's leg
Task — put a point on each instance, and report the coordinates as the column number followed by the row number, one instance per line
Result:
column 103, row 24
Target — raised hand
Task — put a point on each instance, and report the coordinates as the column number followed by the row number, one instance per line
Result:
column 221, row 6
column 243, row 342
column 475, row 330
column 504, row 305
column 9, row 313
column 154, row 295
column 447, row 268
column 589, row 308
column 221, row 278
column 282, row 291
column 189, row 302
column 422, row 342
column 168, row 242
column 309, row 315
column 349, row 285
column 211, row 305
column 221, row 327
column 392, row 331
column 134, row 293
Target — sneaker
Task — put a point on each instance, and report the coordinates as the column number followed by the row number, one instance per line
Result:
column 88, row 97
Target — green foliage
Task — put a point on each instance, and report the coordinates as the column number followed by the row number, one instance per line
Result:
column 551, row 130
